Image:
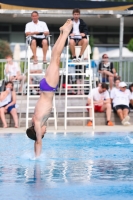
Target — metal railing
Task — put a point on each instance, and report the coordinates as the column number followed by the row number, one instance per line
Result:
column 124, row 69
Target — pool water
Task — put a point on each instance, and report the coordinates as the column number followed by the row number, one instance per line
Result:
column 73, row 166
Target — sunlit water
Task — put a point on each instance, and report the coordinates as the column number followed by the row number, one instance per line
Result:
column 73, row 166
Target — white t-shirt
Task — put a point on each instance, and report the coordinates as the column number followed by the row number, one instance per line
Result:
column 6, row 100
column 98, row 96
column 39, row 27
column 13, row 69
column 131, row 95
column 112, row 93
column 76, row 29
column 120, row 98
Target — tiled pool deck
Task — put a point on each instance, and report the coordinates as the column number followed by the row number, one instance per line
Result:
column 115, row 128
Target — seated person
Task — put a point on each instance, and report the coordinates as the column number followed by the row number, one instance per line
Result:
column 101, row 102
column 13, row 71
column 7, row 104
column 120, row 99
column 78, row 35
column 116, row 84
column 5, row 97
column 107, row 70
column 131, row 96
column 38, row 31
column 114, row 89
column 35, row 69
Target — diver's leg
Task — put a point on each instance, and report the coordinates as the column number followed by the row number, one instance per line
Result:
column 52, row 73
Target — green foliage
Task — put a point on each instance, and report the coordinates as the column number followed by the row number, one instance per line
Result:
column 4, row 49
column 91, row 43
column 130, row 45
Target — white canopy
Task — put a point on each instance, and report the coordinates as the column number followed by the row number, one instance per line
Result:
column 116, row 53
column 96, row 53
column 16, row 53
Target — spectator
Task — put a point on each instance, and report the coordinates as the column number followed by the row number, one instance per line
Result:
column 7, row 104
column 107, row 70
column 38, row 31
column 12, row 70
column 78, row 35
column 131, row 96
column 35, row 69
column 120, row 99
column 117, row 82
column 101, row 102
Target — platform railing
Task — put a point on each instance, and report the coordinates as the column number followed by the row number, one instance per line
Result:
column 125, row 72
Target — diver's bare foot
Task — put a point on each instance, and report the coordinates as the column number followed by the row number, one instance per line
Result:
column 67, row 26
column 61, row 28
column 5, row 126
column 16, row 126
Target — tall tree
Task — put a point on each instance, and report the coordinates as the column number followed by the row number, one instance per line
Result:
column 4, row 49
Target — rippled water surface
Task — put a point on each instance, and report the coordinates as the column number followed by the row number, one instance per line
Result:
column 73, row 166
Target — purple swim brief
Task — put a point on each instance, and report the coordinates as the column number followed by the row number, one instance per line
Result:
column 44, row 86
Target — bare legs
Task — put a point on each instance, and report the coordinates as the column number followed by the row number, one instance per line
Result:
column 52, row 73
column 122, row 113
column 106, row 108
column 110, row 76
column 83, row 43
column 44, row 48
column 33, row 48
column 111, row 82
column 72, row 47
column 2, row 115
column 15, row 117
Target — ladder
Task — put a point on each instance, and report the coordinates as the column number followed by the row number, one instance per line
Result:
column 35, row 97
column 88, row 74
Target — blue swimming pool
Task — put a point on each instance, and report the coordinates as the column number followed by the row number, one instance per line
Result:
column 73, row 166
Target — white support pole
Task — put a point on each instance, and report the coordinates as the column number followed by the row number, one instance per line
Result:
column 90, row 77
column 121, row 43
column 28, row 79
column 55, row 117
column 67, row 53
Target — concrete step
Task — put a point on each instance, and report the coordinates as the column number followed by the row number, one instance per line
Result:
column 100, row 119
column 60, row 104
